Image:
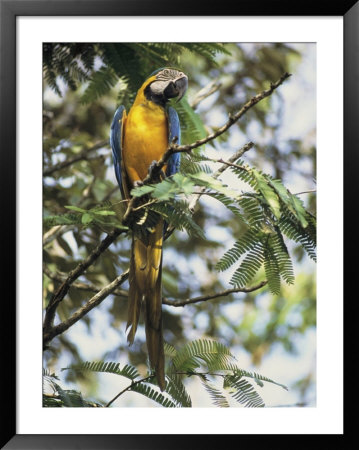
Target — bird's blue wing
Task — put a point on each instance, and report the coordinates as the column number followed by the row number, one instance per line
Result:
column 116, row 134
column 174, row 130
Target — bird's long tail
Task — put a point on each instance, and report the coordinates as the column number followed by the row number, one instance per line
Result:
column 145, row 286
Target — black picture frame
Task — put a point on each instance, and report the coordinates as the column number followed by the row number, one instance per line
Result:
column 9, row 10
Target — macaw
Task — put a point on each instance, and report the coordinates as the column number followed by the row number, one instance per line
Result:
column 138, row 139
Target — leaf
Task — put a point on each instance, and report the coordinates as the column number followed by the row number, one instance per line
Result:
column 257, row 377
column 246, row 243
column 268, row 193
column 176, row 389
column 250, row 265
column 204, row 179
column 184, row 183
column 86, row 218
column 281, row 190
column 243, row 392
column 104, row 213
column 107, row 367
column 301, row 213
column 154, row 395
column 218, row 398
column 76, row 208
column 70, row 398
column 210, row 352
column 192, row 127
column 139, row 191
column 178, row 215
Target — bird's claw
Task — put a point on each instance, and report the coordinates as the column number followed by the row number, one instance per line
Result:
column 154, row 172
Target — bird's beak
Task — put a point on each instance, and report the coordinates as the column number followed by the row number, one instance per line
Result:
column 181, row 85
column 177, row 88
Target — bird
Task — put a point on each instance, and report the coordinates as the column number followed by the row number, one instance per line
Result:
column 138, row 139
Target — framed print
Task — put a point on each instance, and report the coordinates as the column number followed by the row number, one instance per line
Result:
column 163, row 174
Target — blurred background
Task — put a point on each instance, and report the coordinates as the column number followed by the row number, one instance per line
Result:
column 274, row 335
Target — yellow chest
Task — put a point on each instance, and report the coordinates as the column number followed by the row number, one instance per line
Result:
column 145, row 139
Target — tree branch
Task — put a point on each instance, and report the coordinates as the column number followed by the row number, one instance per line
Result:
column 54, row 232
column 74, row 274
column 61, row 277
column 51, row 331
column 204, row 93
column 195, row 197
column 128, row 388
column 204, row 298
column 83, row 155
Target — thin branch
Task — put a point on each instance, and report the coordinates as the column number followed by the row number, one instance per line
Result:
column 204, row 298
column 61, row 277
column 195, row 197
column 55, row 232
column 306, row 192
column 229, row 163
column 232, row 158
column 122, row 293
column 83, row 155
column 74, row 274
column 128, row 388
column 204, row 93
column 51, row 332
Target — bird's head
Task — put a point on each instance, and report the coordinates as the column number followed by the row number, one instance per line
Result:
column 165, row 84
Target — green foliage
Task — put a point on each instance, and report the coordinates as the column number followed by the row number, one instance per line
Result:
column 154, row 395
column 127, row 65
column 212, row 358
column 217, row 397
column 79, row 117
column 103, row 215
column 267, row 213
column 192, row 128
column 177, row 215
column 203, row 351
column 60, row 398
column 106, row 367
column 242, row 391
column 102, row 64
column 176, row 389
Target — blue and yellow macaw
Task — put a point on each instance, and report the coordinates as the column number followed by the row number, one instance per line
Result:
column 138, row 139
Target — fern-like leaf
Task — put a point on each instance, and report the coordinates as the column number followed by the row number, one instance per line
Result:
column 194, row 353
column 271, row 267
column 218, row 398
column 177, row 215
column 176, row 389
column 100, row 84
column 257, row 377
column 243, row 392
column 247, row 242
column 127, row 371
column 249, row 266
column 154, row 395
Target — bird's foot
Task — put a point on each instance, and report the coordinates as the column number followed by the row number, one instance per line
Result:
column 155, row 172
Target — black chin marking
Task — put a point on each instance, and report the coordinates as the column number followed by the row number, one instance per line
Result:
column 158, row 99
